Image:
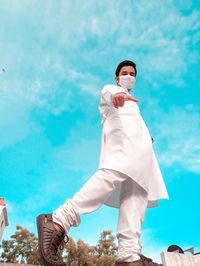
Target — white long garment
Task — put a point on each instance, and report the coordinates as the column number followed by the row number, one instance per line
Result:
column 127, row 147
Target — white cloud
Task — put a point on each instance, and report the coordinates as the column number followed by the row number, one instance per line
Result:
column 83, row 156
column 86, row 82
column 33, row 79
column 162, row 41
column 14, row 121
column 177, row 136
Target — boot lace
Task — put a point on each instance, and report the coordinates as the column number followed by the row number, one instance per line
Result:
column 53, row 241
column 144, row 258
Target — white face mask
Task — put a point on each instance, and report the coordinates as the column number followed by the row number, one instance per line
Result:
column 127, row 81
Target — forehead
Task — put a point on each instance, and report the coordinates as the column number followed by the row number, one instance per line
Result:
column 128, row 69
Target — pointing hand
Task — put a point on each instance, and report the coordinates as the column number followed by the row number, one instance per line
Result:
column 120, row 98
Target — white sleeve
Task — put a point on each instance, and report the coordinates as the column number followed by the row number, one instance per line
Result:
column 109, row 91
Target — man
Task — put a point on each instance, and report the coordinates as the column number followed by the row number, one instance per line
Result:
column 128, row 177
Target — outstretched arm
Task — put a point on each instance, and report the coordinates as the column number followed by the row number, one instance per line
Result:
column 119, row 99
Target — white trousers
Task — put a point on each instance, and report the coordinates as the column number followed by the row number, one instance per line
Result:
column 133, row 204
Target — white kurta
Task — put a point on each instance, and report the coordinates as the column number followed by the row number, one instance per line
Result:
column 127, row 147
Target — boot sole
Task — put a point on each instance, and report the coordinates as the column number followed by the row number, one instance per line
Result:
column 39, row 221
column 39, row 225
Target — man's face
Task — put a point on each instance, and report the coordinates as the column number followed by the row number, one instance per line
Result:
column 126, row 70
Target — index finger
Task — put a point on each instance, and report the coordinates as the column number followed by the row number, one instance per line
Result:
column 134, row 100
column 130, row 98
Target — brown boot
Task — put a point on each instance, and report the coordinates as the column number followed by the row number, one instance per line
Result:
column 143, row 261
column 49, row 240
column 133, row 263
column 148, row 262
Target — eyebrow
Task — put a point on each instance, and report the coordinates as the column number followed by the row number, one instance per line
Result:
column 132, row 72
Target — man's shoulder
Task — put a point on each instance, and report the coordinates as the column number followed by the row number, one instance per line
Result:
column 113, row 89
column 110, row 88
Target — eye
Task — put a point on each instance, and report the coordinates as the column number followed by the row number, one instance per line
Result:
column 124, row 73
column 132, row 74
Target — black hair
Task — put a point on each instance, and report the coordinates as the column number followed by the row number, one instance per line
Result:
column 125, row 63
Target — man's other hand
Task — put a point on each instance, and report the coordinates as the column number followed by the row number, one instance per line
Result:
column 119, row 99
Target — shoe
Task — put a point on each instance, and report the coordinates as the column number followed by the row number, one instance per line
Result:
column 143, row 261
column 49, row 240
column 149, row 262
column 133, row 263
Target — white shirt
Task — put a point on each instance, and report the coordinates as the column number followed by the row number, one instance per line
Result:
column 127, row 145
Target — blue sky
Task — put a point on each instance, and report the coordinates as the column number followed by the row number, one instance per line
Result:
column 57, row 56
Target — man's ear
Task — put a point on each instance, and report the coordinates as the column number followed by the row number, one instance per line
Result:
column 117, row 79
